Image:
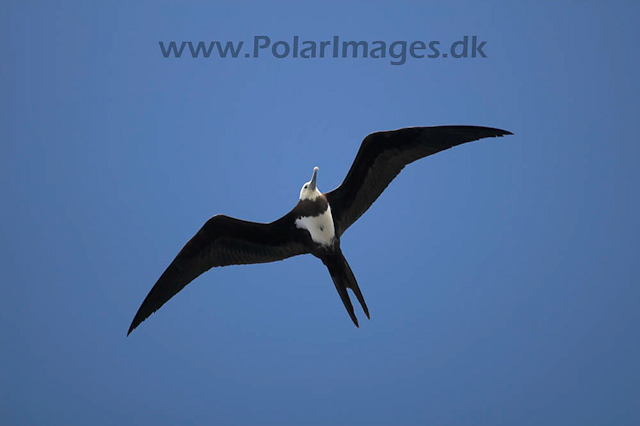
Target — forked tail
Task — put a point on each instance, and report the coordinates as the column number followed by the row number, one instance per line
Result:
column 343, row 278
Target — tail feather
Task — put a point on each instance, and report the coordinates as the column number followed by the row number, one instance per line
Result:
column 343, row 278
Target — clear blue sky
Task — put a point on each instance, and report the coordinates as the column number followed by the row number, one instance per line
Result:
column 502, row 276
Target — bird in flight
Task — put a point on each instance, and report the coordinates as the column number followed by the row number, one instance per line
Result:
column 315, row 225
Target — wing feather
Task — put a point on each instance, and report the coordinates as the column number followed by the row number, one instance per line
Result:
column 383, row 155
column 221, row 241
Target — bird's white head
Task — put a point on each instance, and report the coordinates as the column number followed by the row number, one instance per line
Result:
column 309, row 190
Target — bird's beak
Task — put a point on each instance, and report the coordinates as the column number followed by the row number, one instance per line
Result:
column 312, row 185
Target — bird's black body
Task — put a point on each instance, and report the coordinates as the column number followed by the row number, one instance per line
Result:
column 331, row 256
column 316, row 223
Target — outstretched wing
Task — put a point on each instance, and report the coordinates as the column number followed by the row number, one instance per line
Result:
column 221, row 241
column 383, row 155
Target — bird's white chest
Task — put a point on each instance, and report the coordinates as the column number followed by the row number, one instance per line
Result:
column 320, row 227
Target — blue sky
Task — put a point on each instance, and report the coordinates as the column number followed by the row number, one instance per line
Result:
column 502, row 276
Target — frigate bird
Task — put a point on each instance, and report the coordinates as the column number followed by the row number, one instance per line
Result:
column 316, row 223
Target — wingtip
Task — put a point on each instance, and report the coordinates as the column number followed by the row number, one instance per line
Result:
column 134, row 325
column 490, row 131
column 502, row 132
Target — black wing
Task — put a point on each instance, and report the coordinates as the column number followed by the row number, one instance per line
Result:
column 383, row 155
column 221, row 241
